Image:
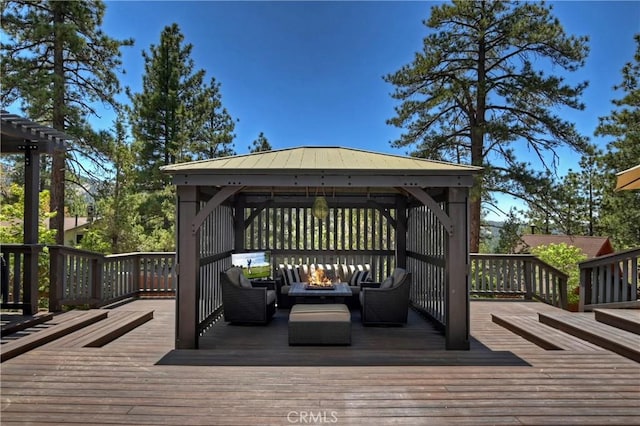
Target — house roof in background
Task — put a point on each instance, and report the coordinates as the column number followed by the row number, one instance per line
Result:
column 69, row 222
column 591, row 246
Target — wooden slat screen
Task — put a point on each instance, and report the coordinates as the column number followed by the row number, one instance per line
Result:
column 216, row 245
column 347, row 236
column 426, row 248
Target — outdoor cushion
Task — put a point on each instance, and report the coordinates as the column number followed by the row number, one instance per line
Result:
column 387, row 283
column 244, row 281
column 234, row 275
column 271, row 296
column 398, row 275
column 290, row 274
column 358, row 277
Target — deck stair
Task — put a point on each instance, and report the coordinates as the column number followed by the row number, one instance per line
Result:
column 48, row 331
column 585, row 326
column 626, row 319
column 549, row 338
column 92, row 328
column 12, row 324
column 100, row 333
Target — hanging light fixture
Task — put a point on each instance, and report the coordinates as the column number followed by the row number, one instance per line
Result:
column 320, row 208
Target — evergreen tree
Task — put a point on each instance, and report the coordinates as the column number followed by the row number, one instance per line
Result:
column 474, row 93
column 620, row 212
column 166, row 115
column 117, row 228
column 215, row 136
column 58, row 63
column 260, row 144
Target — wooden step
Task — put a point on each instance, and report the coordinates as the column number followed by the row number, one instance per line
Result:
column 12, row 324
column 99, row 334
column 542, row 335
column 626, row 319
column 585, row 327
column 62, row 325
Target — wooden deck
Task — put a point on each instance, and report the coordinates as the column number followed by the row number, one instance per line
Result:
column 250, row 376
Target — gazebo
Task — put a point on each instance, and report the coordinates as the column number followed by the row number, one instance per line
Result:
column 384, row 210
column 31, row 139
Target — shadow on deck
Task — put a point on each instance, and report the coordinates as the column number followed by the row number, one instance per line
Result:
column 418, row 343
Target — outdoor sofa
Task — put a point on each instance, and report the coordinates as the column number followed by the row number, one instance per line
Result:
column 286, row 275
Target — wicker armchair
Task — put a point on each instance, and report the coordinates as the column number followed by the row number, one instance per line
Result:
column 386, row 303
column 242, row 303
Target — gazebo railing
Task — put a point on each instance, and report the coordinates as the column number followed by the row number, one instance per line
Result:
column 610, row 281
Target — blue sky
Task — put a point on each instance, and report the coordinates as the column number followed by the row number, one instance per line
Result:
column 310, row 73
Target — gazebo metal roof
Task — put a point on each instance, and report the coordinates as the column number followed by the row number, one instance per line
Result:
column 322, row 166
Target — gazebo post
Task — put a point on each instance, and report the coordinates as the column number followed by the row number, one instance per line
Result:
column 401, row 233
column 188, row 267
column 457, row 276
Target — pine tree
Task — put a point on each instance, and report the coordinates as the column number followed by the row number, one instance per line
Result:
column 166, row 116
column 58, row 63
column 474, row 93
column 215, row 136
column 620, row 212
column 260, row 144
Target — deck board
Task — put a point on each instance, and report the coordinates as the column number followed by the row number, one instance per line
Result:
column 125, row 381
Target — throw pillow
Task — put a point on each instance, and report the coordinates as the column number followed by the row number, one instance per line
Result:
column 290, row 274
column 245, row 282
column 358, row 277
column 387, row 283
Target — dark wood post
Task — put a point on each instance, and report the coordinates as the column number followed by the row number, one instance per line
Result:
column 188, row 270
column 457, row 272
column 97, row 281
column 31, row 216
column 401, row 233
column 239, row 229
column 56, row 284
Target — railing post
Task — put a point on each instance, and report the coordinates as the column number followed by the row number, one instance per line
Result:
column 564, row 296
column 56, row 284
column 528, row 279
column 97, row 276
column 139, row 276
column 30, row 285
column 585, row 288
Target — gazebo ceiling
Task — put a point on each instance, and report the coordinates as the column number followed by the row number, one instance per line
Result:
column 321, row 167
column 18, row 131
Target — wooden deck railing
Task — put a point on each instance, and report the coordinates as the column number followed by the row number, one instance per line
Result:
column 610, row 281
column 518, row 275
column 79, row 277
column 19, row 281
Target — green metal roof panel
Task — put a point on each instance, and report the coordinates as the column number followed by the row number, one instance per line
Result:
column 318, row 159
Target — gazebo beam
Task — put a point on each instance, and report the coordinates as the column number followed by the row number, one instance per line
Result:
column 426, row 199
column 214, row 202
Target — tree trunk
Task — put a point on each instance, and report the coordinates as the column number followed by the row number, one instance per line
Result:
column 58, row 163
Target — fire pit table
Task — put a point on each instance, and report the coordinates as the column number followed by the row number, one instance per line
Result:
column 304, row 292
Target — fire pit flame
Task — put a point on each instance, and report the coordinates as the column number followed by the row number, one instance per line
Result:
column 319, row 279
